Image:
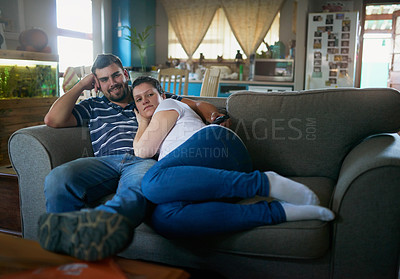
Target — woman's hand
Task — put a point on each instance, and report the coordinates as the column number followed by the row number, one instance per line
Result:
column 140, row 119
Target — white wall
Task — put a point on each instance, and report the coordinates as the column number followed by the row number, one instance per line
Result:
column 301, row 42
column 102, row 37
column 286, row 23
column 42, row 14
column 161, row 34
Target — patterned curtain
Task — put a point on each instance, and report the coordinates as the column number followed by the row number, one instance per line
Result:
column 190, row 20
column 250, row 20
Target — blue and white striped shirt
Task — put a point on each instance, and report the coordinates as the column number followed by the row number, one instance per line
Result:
column 112, row 128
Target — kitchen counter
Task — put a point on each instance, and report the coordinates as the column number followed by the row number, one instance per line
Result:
column 248, row 82
column 229, row 86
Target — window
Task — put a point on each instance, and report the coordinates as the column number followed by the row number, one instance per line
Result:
column 379, row 18
column 272, row 36
column 219, row 40
column 75, row 39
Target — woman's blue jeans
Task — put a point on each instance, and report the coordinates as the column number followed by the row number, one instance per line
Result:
column 86, row 181
column 190, row 186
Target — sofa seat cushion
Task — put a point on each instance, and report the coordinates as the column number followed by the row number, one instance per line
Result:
column 298, row 240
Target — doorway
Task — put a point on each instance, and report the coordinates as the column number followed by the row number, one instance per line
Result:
column 376, row 60
column 377, row 46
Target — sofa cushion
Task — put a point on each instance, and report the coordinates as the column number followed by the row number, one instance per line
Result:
column 308, row 133
column 218, row 102
column 300, row 240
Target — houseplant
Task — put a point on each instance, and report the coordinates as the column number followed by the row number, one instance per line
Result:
column 139, row 40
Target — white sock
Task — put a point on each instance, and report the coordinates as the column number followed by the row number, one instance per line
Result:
column 289, row 190
column 307, row 212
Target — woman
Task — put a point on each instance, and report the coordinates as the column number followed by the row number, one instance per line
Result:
column 199, row 167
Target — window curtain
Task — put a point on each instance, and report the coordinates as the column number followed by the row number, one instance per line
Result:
column 250, row 20
column 190, row 20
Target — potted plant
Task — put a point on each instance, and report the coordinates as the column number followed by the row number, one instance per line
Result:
column 139, row 40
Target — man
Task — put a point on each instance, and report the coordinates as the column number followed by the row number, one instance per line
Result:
column 70, row 227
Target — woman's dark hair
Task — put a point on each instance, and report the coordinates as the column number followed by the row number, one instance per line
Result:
column 146, row 79
column 104, row 60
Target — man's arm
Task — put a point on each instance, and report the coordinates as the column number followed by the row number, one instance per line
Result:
column 60, row 114
column 208, row 112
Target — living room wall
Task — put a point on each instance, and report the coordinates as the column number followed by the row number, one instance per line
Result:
column 285, row 35
column 133, row 13
column 35, row 13
column 286, row 23
column 42, row 14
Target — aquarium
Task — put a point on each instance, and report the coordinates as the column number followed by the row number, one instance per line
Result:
column 21, row 78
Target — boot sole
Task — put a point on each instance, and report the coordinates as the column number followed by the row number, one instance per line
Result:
column 86, row 235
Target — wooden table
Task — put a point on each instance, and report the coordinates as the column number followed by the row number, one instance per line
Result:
column 18, row 254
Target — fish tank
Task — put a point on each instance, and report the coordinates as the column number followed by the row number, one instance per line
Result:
column 27, row 74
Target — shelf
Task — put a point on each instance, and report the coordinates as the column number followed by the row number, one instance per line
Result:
column 28, row 55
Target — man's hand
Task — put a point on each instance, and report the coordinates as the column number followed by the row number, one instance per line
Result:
column 90, row 82
column 215, row 115
column 207, row 111
column 60, row 113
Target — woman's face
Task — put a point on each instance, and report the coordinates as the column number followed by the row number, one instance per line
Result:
column 146, row 99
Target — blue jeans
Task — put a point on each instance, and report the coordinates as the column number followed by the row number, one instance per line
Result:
column 85, row 181
column 190, row 186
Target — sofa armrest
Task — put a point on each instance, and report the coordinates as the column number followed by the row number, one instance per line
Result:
column 366, row 201
column 375, row 152
column 33, row 152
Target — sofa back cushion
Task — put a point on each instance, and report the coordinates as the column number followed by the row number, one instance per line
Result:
column 308, row 133
column 218, row 102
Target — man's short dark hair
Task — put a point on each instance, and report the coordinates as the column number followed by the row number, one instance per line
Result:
column 147, row 79
column 105, row 60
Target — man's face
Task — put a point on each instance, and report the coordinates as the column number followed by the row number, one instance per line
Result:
column 113, row 82
column 146, row 99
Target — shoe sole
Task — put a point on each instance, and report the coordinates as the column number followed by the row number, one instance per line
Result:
column 86, row 235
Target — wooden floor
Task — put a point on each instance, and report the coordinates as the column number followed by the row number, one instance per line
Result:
column 10, row 218
column 23, row 255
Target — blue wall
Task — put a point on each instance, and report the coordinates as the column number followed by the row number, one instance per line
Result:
column 138, row 14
